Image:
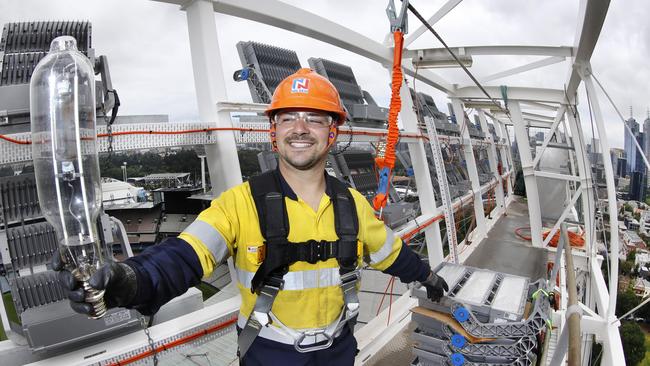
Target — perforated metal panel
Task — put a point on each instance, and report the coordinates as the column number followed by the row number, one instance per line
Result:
column 19, row 198
column 22, row 46
column 426, row 107
column 36, row 290
column 357, row 167
column 271, row 63
column 17, row 68
column 31, row 245
column 352, row 95
column 37, row 36
column 342, row 77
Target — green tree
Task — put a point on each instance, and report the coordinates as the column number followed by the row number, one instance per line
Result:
column 626, row 301
column 633, row 343
column 631, row 256
column 626, row 267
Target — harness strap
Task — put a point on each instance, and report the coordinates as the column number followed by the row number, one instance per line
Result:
column 274, row 225
column 280, row 253
column 260, row 316
column 347, row 227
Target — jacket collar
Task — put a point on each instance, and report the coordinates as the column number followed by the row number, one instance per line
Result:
column 287, row 191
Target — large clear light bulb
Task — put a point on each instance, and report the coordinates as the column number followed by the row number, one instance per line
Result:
column 64, row 147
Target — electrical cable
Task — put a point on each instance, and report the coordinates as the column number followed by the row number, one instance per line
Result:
column 219, row 129
column 478, row 84
column 602, row 224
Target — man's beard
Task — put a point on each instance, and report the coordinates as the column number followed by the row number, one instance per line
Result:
column 314, row 160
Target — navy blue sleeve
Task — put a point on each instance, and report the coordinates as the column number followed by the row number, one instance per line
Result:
column 163, row 272
column 408, row 266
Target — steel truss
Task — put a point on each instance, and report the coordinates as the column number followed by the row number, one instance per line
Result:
column 522, row 103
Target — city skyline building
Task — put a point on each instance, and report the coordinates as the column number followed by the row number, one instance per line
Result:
column 635, row 165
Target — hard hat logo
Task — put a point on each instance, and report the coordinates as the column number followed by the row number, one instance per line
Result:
column 300, row 85
column 306, row 89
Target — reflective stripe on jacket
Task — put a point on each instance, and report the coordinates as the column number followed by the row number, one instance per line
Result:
column 311, row 296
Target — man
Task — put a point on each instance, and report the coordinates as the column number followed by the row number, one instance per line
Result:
column 298, row 238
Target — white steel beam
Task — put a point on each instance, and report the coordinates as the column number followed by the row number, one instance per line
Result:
column 456, row 203
column 584, row 171
column 470, row 163
column 523, row 68
column 514, row 93
column 611, row 191
column 505, row 50
column 599, row 288
column 285, row 16
column 590, row 22
column 560, row 220
column 422, row 178
column 559, row 117
column 558, row 176
column 530, row 122
column 444, row 10
column 612, row 347
column 537, row 105
column 532, row 192
column 538, row 117
column 506, row 157
column 211, row 87
column 492, row 157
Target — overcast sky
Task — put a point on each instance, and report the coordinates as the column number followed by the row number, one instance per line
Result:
column 148, row 47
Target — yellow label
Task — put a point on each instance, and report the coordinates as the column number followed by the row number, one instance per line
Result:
column 359, row 249
column 256, row 253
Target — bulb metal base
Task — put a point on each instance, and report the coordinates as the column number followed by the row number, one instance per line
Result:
column 92, row 296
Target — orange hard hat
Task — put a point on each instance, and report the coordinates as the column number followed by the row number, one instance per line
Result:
column 307, row 89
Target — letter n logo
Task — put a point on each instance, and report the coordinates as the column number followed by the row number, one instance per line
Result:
column 300, row 85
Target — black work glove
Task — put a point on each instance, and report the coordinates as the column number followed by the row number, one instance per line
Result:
column 117, row 279
column 436, row 287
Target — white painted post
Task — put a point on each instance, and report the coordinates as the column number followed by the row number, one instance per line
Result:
column 611, row 192
column 422, row 178
column 223, row 163
column 506, row 153
column 532, row 193
column 492, row 157
column 205, row 188
column 586, row 184
column 481, row 230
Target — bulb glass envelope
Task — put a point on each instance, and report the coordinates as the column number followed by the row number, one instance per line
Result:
column 62, row 107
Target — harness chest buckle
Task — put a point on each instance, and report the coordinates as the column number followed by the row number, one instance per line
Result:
column 318, row 251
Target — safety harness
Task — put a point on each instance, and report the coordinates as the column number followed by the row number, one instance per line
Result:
column 280, row 253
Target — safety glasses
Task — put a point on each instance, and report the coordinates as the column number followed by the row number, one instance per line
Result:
column 313, row 119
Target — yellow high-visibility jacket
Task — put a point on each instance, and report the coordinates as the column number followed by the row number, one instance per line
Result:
column 312, row 296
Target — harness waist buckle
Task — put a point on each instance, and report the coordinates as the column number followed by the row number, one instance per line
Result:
column 318, row 251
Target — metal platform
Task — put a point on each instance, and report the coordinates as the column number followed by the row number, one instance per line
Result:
column 503, row 251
